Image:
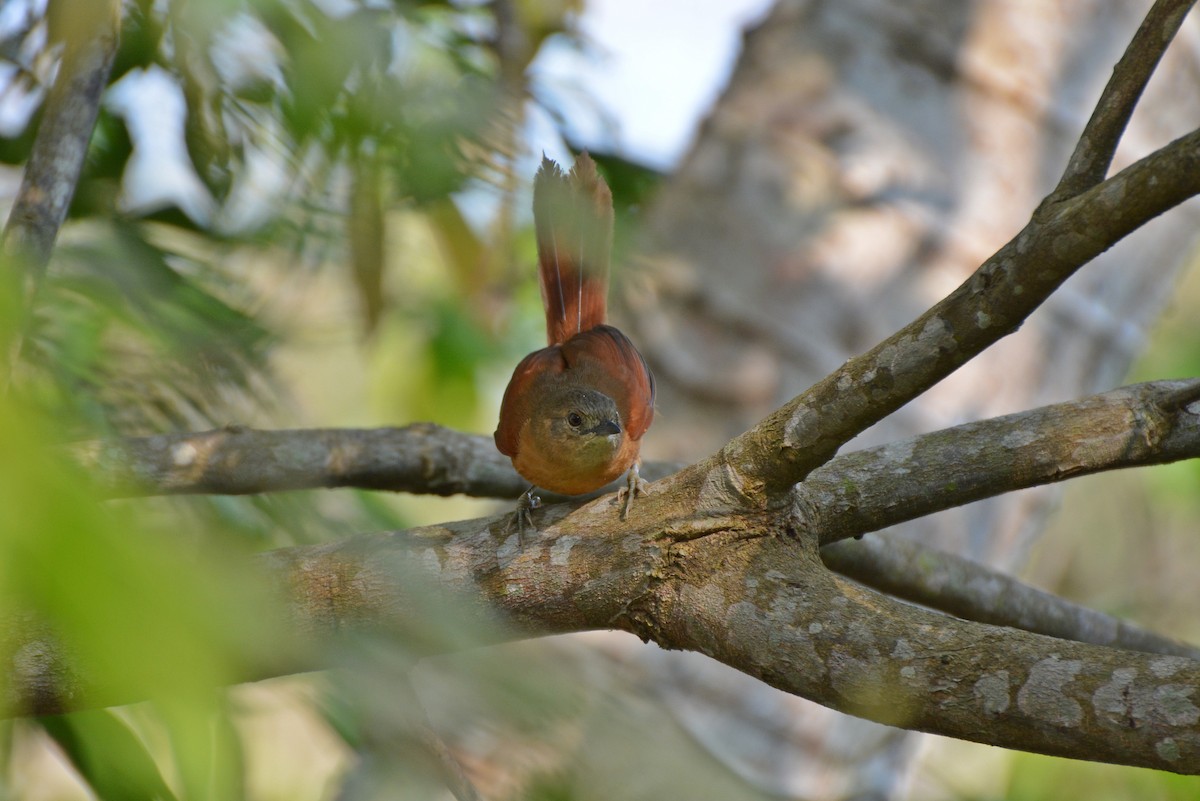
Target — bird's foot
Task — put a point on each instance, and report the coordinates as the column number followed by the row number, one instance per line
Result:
column 635, row 485
column 524, row 514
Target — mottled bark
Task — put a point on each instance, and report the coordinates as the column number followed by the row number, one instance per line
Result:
column 747, row 587
column 865, row 158
column 751, row 592
column 991, row 304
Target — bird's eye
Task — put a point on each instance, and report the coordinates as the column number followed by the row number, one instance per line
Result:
column 574, row 420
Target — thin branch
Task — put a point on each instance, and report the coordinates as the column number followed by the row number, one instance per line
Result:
column 972, row 591
column 1098, row 143
column 56, row 161
column 780, row 451
column 855, row 493
column 421, row 458
column 451, row 771
column 871, row 489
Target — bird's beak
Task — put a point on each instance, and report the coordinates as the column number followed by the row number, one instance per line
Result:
column 607, row 428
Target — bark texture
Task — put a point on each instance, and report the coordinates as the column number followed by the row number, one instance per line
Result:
column 747, row 590
column 864, row 161
column 865, row 158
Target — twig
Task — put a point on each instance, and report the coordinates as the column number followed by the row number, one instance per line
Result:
column 449, row 768
column 58, row 154
column 1098, row 143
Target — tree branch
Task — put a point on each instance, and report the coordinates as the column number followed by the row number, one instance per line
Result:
column 58, row 154
column 871, row 489
column 972, row 591
column 749, row 590
column 775, row 615
column 422, row 458
column 1098, row 143
column 853, row 494
column 780, row 451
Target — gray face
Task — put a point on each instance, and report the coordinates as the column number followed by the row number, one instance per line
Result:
column 584, row 421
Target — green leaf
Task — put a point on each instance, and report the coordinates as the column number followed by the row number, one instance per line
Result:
column 133, row 614
column 207, row 749
column 107, row 755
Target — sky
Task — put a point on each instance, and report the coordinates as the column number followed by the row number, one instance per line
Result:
column 654, row 69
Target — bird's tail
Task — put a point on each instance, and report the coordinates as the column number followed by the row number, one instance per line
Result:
column 573, row 217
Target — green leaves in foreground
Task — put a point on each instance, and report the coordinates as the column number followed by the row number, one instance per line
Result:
column 108, row 755
column 141, row 614
column 97, row 612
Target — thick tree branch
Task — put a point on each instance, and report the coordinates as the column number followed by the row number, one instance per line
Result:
column 1094, row 151
column 807, row 632
column 972, row 591
column 748, row 590
column 853, row 494
column 871, row 489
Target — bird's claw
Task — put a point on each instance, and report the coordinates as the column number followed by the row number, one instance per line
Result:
column 635, row 485
column 524, row 514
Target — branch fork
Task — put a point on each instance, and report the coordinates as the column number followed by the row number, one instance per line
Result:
column 728, row 556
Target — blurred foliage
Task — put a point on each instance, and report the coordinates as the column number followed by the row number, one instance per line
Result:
column 1039, row 778
column 131, row 337
column 305, row 126
column 273, row 192
column 104, row 750
column 1174, row 352
column 135, row 614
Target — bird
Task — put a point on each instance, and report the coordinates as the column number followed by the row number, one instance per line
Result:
column 574, row 412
